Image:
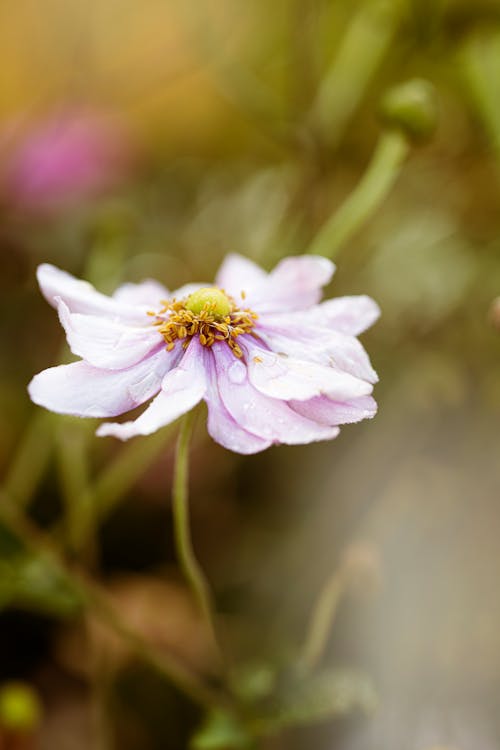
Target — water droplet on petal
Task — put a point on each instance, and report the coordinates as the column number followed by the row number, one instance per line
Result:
column 237, row 372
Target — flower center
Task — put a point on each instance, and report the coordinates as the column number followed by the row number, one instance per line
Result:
column 208, row 313
column 210, row 299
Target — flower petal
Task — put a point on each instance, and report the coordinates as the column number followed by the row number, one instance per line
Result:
column 182, row 388
column 221, row 426
column 322, row 345
column 85, row 391
column 297, row 282
column 147, row 293
column 286, row 378
column 269, row 418
column 80, row 296
column 351, row 315
column 294, row 284
column 325, row 410
column 238, row 274
column 184, row 291
column 106, row 343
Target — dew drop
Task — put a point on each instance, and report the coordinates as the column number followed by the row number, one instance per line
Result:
column 237, row 372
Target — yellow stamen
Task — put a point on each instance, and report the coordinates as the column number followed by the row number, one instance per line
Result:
column 211, row 322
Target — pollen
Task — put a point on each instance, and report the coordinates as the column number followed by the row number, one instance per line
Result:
column 209, row 314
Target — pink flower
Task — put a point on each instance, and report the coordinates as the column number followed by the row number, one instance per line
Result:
column 272, row 364
column 63, row 160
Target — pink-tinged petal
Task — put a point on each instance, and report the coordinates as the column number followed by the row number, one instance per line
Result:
column 269, row 418
column 306, row 341
column 85, row 391
column 239, row 274
column 105, row 343
column 326, row 411
column 184, row 291
column 295, row 284
column 147, row 294
column 351, row 315
column 286, row 378
column 81, row 297
column 221, row 426
column 182, row 388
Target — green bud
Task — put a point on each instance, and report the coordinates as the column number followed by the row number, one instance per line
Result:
column 209, row 299
column 411, row 107
column 20, row 709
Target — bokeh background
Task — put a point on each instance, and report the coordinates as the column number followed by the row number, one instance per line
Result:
column 148, row 140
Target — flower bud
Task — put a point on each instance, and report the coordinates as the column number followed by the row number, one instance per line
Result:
column 411, row 107
column 209, row 299
column 20, row 709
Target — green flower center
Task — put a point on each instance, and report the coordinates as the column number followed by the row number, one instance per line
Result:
column 210, row 300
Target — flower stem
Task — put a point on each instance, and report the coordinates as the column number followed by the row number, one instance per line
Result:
column 180, row 507
column 364, row 44
column 391, row 151
column 321, row 620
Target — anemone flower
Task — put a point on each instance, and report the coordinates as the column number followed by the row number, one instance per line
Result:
column 272, row 363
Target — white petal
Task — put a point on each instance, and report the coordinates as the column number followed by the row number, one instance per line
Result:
column 102, row 342
column 80, row 296
column 221, row 426
column 315, row 344
column 182, row 388
column 351, row 315
column 238, row 274
column 323, row 409
column 85, row 391
column 283, row 377
column 148, row 294
column 295, row 284
column 186, row 290
column 269, row 418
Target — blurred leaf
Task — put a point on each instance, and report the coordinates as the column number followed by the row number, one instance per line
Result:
column 322, row 696
column 35, row 583
column 9, row 543
column 253, row 682
column 221, row 731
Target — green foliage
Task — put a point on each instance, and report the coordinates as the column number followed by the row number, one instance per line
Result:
column 222, row 731
column 32, row 582
column 324, row 695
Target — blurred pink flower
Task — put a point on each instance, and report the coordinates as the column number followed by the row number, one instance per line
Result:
column 62, row 160
column 272, row 364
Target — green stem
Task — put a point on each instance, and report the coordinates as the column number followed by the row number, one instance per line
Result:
column 478, row 64
column 72, row 463
column 379, row 178
column 31, row 459
column 360, row 53
column 180, row 507
column 321, row 620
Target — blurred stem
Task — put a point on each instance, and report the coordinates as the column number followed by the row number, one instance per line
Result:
column 376, row 183
column 30, row 461
column 98, row 603
column 119, row 475
column 180, row 507
column 478, row 63
column 321, row 621
column 72, row 460
column 363, row 46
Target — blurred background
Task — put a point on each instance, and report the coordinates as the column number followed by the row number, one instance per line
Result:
column 148, row 140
